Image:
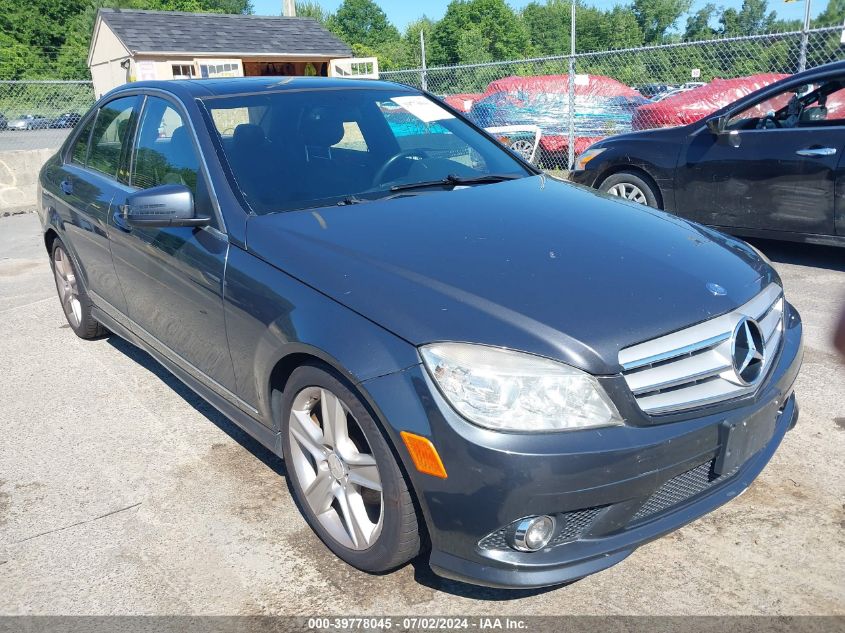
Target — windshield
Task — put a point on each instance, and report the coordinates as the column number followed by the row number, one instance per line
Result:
column 303, row 149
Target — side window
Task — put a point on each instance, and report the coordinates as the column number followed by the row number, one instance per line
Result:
column 165, row 153
column 826, row 108
column 79, row 153
column 803, row 106
column 110, row 135
column 748, row 118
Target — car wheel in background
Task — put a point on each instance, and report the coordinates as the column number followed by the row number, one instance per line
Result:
column 72, row 295
column 523, row 148
column 631, row 186
column 343, row 475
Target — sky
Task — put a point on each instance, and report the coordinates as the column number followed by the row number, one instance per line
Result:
column 401, row 12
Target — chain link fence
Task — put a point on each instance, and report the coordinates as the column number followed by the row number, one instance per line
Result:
column 40, row 114
column 549, row 108
column 574, row 101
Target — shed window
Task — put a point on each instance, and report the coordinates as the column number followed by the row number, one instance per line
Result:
column 183, row 71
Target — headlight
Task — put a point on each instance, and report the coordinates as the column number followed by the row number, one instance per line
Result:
column 586, row 157
column 513, row 391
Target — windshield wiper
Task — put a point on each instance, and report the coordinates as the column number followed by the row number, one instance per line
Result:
column 454, row 179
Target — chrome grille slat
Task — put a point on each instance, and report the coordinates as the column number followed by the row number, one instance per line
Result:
column 770, row 322
column 692, row 367
column 675, row 353
column 711, row 362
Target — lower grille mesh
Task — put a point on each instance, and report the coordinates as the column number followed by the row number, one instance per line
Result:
column 574, row 524
column 571, row 525
column 681, row 488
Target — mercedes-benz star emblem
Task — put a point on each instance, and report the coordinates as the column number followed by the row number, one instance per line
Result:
column 716, row 289
column 748, row 352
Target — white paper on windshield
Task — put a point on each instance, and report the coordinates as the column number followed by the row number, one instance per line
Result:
column 424, row 109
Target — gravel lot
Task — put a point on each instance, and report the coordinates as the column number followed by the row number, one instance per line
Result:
column 122, row 492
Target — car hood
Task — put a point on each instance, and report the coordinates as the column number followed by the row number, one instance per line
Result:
column 533, row 264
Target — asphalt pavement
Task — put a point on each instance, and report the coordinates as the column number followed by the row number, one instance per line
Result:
column 32, row 139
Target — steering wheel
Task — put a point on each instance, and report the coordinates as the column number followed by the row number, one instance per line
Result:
column 763, row 123
column 406, row 153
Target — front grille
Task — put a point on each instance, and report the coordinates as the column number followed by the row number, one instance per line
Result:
column 570, row 525
column 693, row 367
column 681, row 488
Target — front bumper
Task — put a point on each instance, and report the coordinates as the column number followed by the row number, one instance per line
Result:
column 586, row 177
column 613, row 489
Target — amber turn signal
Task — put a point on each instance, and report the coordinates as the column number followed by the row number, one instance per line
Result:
column 424, row 455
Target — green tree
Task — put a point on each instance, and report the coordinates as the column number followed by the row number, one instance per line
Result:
column 656, row 17
column 362, row 22
column 752, row 18
column 479, row 28
column 548, row 27
column 311, row 9
column 411, row 41
column 622, row 29
column 833, row 14
column 698, row 24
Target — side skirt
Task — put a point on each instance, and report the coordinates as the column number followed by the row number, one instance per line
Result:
column 266, row 436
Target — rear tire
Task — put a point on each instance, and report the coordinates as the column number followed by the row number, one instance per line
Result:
column 74, row 300
column 343, row 475
column 632, row 187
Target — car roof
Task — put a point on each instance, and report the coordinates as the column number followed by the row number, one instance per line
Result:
column 204, row 88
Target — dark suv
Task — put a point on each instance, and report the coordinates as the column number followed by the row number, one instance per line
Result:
column 455, row 355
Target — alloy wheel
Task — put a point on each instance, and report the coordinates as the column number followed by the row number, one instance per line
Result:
column 67, row 286
column 629, row 192
column 524, row 148
column 338, row 475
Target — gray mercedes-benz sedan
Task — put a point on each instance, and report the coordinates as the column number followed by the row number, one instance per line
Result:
column 455, row 355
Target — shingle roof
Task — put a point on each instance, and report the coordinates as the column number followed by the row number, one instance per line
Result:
column 175, row 31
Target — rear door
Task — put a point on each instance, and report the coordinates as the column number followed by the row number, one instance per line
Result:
column 85, row 185
column 173, row 277
column 770, row 171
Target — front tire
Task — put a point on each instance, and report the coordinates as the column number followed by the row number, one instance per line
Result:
column 343, row 475
column 632, row 187
column 75, row 302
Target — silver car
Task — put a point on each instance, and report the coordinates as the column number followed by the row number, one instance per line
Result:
column 29, row 122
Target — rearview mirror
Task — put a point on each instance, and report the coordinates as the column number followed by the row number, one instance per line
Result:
column 717, row 124
column 166, row 205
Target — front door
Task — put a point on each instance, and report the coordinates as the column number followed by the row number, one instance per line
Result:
column 773, row 168
column 173, row 277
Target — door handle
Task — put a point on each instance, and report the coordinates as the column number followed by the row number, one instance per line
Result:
column 817, row 151
column 66, row 186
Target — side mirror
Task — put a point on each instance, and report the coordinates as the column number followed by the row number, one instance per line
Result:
column 166, row 205
column 717, row 124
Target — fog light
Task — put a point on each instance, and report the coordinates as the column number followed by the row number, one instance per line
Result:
column 533, row 533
